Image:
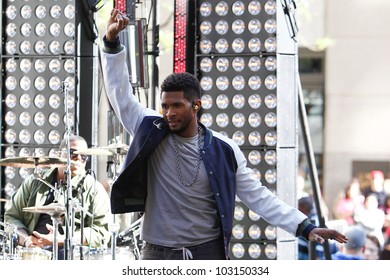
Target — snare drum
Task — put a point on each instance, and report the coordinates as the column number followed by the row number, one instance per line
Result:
column 35, row 254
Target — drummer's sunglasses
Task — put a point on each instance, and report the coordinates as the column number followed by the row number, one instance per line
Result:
column 74, row 156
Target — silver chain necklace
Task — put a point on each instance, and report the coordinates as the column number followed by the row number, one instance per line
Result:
column 178, row 169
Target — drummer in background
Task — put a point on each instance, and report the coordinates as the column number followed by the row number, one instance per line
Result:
column 36, row 230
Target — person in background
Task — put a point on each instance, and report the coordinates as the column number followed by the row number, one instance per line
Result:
column 184, row 176
column 306, row 206
column 386, row 224
column 372, row 248
column 351, row 200
column 385, row 252
column 36, row 230
column 371, row 218
column 377, row 188
column 355, row 247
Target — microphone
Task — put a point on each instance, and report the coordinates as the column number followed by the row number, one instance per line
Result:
column 81, row 182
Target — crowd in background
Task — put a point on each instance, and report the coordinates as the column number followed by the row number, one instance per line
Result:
column 363, row 212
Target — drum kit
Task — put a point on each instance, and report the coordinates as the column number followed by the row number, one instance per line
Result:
column 9, row 250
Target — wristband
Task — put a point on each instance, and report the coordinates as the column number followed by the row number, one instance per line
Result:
column 112, row 46
column 305, row 228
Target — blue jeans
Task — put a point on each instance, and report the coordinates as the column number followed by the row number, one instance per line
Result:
column 211, row 250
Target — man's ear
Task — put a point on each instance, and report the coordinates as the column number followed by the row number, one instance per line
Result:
column 196, row 104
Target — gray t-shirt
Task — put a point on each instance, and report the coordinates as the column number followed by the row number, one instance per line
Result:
column 177, row 215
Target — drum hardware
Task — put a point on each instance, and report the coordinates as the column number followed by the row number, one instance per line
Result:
column 94, row 152
column 12, row 228
column 76, row 205
column 110, row 150
column 11, row 240
column 32, row 162
column 115, row 150
column 35, row 254
column 50, row 209
column 122, row 253
column 35, row 162
column 57, row 192
column 118, row 149
column 131, row 237
column 55, row 210
column 70, row 221
column 3, row 243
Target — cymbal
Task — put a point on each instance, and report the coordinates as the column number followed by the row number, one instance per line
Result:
column 120, row 149
column 31, row 162
column 94, row 152
column 51, row 209
column 110, row 150
column 117, row 146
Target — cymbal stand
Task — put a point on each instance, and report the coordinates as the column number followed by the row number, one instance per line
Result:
column 114, row 227
column 55, row 217
column 57, row 192
column 78, row 206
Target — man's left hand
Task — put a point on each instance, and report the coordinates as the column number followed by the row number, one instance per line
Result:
column 322, row 234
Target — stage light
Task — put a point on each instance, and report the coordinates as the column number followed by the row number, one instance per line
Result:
column 121, row 5
column 41, row 48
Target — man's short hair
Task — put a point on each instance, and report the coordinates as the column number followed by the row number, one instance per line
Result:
column 185, row 82
column 356, row 237
column 71, row 138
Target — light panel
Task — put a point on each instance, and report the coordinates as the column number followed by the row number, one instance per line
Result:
column 236, row 67
column 121, row 5
column 39, row 57
column 180, row 40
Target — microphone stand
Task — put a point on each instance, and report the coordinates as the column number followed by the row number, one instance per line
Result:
column 79, row 206
column 81, row 190
column 68, row 246
column 55, row 217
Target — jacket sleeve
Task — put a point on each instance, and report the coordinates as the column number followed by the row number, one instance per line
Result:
column 22, row 198
column 119, row 91
column 264, row 202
